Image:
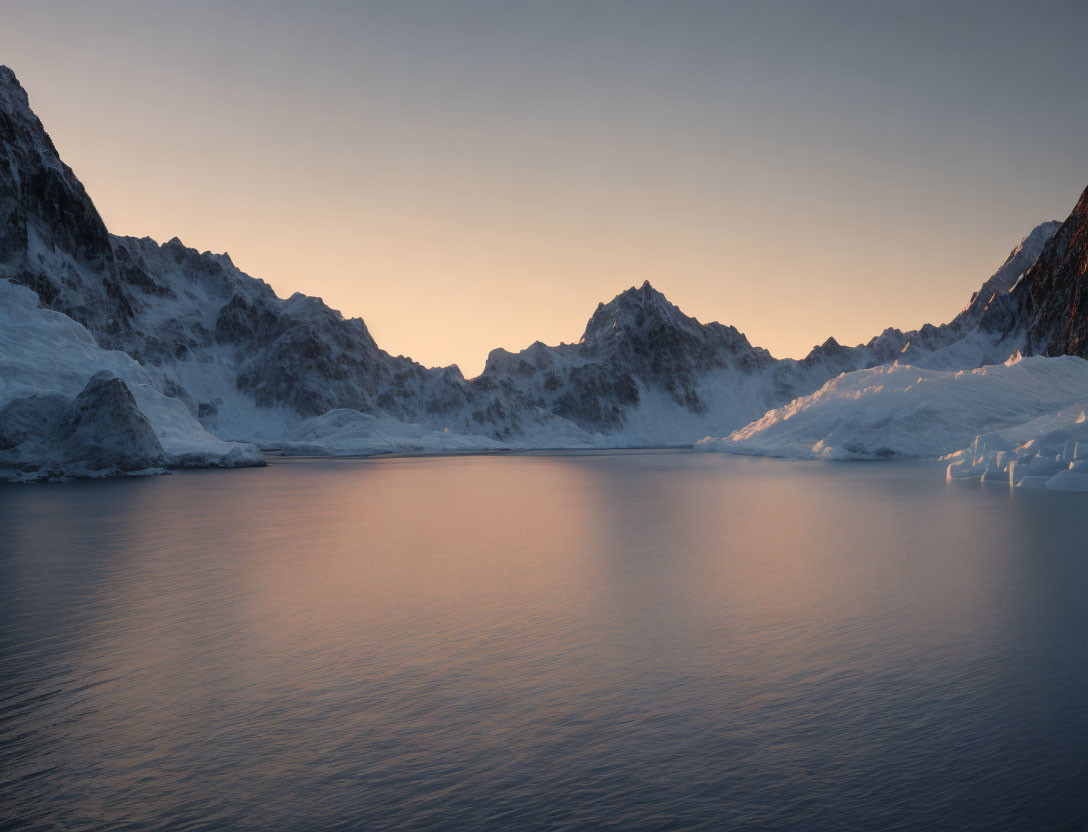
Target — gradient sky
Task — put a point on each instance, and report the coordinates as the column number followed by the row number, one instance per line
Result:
column 466, row 175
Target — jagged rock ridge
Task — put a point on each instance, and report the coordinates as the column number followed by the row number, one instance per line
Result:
column 1053, row 296
column 290, row 372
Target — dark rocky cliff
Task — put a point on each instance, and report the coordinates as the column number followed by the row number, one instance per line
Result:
column 1053, row 296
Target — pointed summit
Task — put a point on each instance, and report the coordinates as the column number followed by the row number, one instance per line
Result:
column 45, row 206
column 1054, row 294
column 19, row 127
column 635, row 311
column 12, row 94
column 1020, row 259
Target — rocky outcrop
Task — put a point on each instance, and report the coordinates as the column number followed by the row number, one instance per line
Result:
column 635, row 343
column 47, row 361
column 1053, row 296
column 51, row 236
column 990, row 306
column 99, row 433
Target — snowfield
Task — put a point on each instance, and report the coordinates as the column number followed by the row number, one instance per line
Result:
column 897, row 410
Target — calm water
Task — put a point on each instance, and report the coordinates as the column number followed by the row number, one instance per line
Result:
column 621, row 641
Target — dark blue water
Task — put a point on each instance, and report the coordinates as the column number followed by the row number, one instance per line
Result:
column 620, row 641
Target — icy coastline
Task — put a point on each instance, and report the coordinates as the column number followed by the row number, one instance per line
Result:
column 69, row 408
column 1022, row 422
column 1049, row 452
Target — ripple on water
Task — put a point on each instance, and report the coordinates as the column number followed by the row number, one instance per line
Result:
column 613, row 641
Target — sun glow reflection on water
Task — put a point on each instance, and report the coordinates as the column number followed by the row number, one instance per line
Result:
column 641, row 640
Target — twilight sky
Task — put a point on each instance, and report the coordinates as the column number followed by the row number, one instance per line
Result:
column 466, row 175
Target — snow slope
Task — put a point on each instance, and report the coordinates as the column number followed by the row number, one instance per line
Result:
column 99, row 433
column 44, row 353
column 897, row 410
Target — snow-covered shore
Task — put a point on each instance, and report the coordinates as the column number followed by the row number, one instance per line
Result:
column 47, row 364
column 898, row 410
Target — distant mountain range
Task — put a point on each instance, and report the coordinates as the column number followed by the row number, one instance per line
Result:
column 294, row 375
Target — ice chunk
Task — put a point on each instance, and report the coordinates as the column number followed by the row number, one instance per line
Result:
column 1050, row 451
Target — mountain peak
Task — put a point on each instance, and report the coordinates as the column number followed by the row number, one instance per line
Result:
column 15, row 105
column 9, row 83
column 987, row 305
column 634, row 310
column 41, row 194
column 648, row 291
column 7, row 77
column 1024, row 255
column 1054, row 292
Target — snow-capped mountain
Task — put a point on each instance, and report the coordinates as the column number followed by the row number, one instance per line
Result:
column 52, row 238
column 1026, row 414
column 293, row 374
column 252, row 366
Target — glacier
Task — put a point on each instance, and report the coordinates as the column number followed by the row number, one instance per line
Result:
column 900, row 410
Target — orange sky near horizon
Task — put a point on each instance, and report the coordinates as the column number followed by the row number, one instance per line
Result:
column 483, row 177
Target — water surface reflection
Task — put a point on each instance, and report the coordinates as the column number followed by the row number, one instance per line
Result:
column 629, row 640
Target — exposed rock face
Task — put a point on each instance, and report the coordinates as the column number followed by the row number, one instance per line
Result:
column 636, row 342
column 44, row 354
column 640, row 330
column 191, row 316
column 1053, row 296
column 987, row 331
column 990, row 306
column 101, row 432
column 51, row 237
